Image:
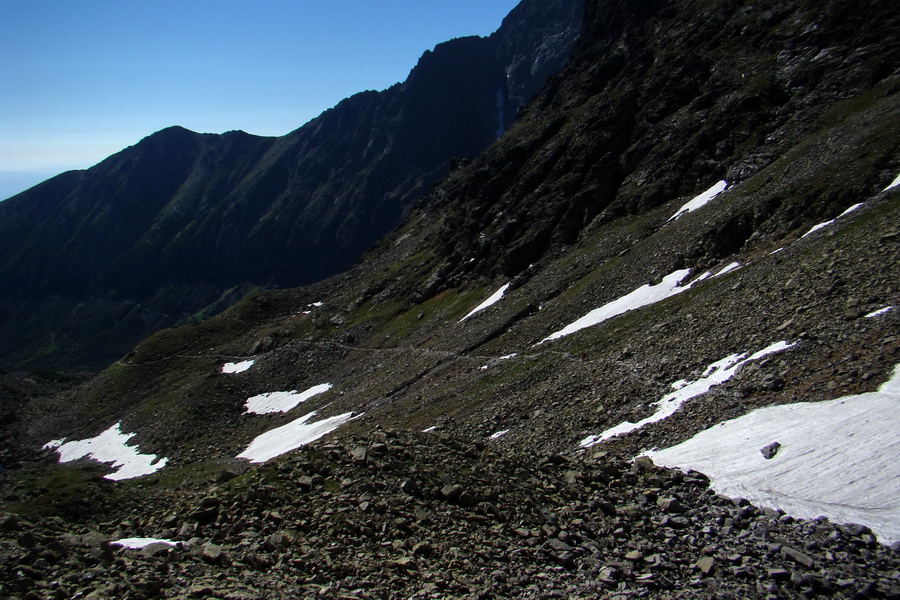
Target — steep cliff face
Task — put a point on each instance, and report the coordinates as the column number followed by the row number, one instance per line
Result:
column 184, row 223
column 662, row 99
column 528, row 60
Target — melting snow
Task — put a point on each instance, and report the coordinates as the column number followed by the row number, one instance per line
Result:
column 837, row 459
column 894, row 184
column 715, row 374
column 815, row 228
column 643, row 296
column 827, row 223
column 237, row 367
column 671, row 285
column 879, row 312
column 291, row 436
column 498, row 435
column 700, row 201
column 282, row 401
column 729, row 268
column 110, row 446
column 495, row 297
column 499, row 358
column 142, row 542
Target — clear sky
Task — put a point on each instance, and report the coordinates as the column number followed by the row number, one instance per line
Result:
column 80, row 80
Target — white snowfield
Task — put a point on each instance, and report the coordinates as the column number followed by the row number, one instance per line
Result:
column 838, row 459
column 728, row 268
column 893, row 184
column 493, row 299
column 110, row 446
column 282, row 401
column 291, row 436
column 879, row 312
column 643, row 296
column 700, row 200
column 671, row 285
column 715, row 374
column 237, row 367
column 815, row 228
column 137, row 543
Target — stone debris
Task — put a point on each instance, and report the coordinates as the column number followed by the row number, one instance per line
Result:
column 440, row 517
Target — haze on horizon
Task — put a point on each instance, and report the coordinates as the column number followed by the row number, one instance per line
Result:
column 84, row 80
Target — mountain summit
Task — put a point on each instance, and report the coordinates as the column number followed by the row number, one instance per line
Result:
column 182, row 224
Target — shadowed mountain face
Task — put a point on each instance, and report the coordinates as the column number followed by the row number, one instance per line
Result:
column 694, row 222
column 184, row 223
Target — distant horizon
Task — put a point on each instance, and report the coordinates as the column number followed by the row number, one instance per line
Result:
column 87, row 81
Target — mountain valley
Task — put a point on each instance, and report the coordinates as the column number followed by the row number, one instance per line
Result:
column 693, row 222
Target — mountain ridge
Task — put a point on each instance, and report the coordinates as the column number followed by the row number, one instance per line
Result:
column 495, row 368
column 212, row 214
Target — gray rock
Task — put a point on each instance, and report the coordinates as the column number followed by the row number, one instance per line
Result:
column 670, row 505
column 212, row 553
column 771, row 450
column 9, row 523
column 358, row 455
column 797, row 556
column 706, row 564
column 451, row 492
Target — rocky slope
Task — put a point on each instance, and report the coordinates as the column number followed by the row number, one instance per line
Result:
column 353, row 520
column 184, row 224
column 571, row 213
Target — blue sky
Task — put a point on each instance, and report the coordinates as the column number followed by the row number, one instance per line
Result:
column 82, row 80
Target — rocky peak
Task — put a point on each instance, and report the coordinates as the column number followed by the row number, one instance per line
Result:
column 182, row 221
column 534, row 42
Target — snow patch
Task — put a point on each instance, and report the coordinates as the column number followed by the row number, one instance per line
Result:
column 110, row 446
column 879, row 312
column 700, row 201
column 430, row 429
column 729, row 268
column 671, row 285
column 643, row 296
column 498, row 435
column 715, row 374
column 137, row 543
column 237, row 367
column 282, row 401
column 837, row 458
column 893, row 184
column 815, row 228
column 500, row 358
column 289, row 437
column 495, row 297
